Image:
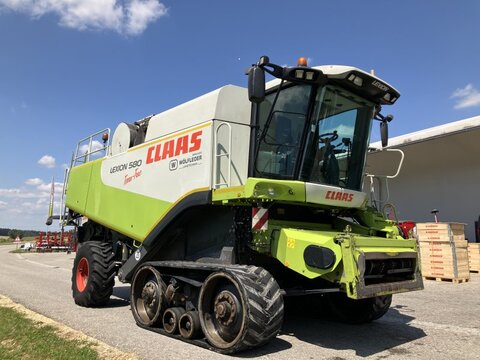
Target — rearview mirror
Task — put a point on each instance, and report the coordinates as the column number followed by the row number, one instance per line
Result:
column 384, row 133
column 256, row 84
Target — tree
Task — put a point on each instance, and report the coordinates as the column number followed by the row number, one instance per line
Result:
column 13, row 233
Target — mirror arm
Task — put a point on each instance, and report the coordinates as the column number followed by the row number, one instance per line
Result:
column 272, row 69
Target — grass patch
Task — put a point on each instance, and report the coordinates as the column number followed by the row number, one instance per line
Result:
column 21, row 338
column 5, row 241
column 28, row 239
column 17, row 251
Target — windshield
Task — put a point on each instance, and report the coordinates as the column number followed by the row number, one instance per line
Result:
column 280, row 134
column 327, row 147
column 338, row 139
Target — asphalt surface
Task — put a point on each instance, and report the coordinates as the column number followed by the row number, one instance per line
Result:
column 440, row 322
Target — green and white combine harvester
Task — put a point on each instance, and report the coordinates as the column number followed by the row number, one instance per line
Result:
column 220, row 208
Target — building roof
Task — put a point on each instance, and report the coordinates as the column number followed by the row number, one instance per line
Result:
column 440, row 131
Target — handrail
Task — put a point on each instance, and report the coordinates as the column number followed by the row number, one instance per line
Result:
column 227, row 154
column 86, row 156
column 386, row 177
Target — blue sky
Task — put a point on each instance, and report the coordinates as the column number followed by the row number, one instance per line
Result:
column 71, row 68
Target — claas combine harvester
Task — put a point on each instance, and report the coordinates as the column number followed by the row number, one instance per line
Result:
column 219, row 209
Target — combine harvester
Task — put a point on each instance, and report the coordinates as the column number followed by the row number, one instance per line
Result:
column 219, row 208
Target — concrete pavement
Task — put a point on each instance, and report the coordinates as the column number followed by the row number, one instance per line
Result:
column 441, row 322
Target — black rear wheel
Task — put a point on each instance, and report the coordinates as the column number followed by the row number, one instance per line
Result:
column 358, row 311
column 93, row 274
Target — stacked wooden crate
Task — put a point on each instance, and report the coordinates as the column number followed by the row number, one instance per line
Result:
column 443, row 251
column 474, row 256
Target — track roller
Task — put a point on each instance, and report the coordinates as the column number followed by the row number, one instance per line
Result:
column 171, row 318
column 189, row 325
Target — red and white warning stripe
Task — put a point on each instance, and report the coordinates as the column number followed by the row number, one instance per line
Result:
column 259, row 219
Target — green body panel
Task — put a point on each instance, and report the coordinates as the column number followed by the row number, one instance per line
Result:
column 263, row 189
column 356, row 249
column 376, row 221
column 291, row 244
column 78, row 185
column 128, row 213
column 351, row 250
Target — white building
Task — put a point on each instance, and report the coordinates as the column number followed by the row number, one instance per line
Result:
column 441, row 171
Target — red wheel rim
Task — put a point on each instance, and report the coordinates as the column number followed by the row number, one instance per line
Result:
column 82, row 274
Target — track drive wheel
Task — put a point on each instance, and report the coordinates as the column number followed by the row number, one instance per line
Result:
column 240, row 308
column 358, row 311
column 147, row 296
column 93, row 274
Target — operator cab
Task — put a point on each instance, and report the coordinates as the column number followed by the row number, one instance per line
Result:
column 316, row 131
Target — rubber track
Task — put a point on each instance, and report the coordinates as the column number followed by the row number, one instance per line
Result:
column 265, row 310
column 101, row 277
column 265, row 303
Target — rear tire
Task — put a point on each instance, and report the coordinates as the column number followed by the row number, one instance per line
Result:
column 93, row 274
column 358, row 311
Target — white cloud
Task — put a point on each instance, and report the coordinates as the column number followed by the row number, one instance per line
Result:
column 20, row 193
column 48, row 187
column 141, row 13
column 47, row 161
column 41, row 190
column 31, row 202
column 126, row 17
column 96, row 145
column 94, row 152
column 34, row 181
column 469, row 96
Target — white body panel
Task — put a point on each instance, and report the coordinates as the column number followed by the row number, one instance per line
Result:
column 229, row 103
column 166, row 168
column 203, row 143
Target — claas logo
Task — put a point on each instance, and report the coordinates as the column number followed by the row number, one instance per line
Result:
column 175, row 147
column 338, row 195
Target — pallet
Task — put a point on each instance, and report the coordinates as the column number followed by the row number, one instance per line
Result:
column 452, row 280
column 456, row 228
column 443, row 251
column 444, row 255
column 474, row 257
column 445, row 269
column 439, row 245
column 442, row 233
column 439, row 273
